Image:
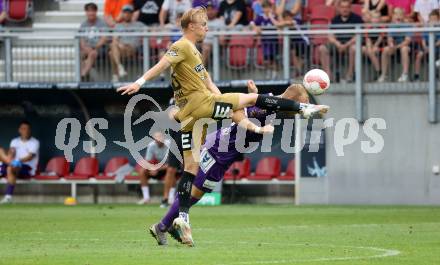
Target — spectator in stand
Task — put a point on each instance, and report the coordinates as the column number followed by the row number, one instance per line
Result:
column 293, row 6
column 124, row 46
column 176, row 28
column 3, row 15
column 434, row 20
column 396, row 41
column 423, row 9
column 21, row 160
column 376, row 6
column 170, row 9
column 147, row 12
column 288, row 21
column 269, row 42
column 343, row 44
column 405, row 5
column 157, row 151
column 204, row 3
column 257, row 8
column 91, row 45
column 214, row 24
column 113, row 11
column 233, row 13
column 374, row 42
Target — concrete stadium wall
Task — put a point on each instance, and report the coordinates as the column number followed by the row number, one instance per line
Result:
column 402, row 172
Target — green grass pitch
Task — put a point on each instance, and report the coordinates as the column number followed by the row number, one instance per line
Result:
column 224, row 235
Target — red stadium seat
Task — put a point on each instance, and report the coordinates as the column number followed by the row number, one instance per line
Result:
column 159, row 43
column 56, row 168
column 267, row 168
column 136, row 176
column 112, row 165
column 357, row 9
column 290, row 171
column 18, row 10
column 308, row 10
column 321, row 14
column 85, row 168
column 259, row 55
column 238, row 51
column 244, row 168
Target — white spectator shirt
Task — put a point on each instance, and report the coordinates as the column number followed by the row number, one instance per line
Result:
column 424, row 7
column 175, row 7
column 154, row 152
column 24, row 148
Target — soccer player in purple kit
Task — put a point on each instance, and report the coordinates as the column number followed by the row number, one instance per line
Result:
column 214, row 163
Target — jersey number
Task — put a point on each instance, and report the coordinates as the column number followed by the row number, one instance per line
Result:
column 174, row 83
column 222, row 110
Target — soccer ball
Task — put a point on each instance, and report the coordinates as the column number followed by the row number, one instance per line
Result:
column 316, row 81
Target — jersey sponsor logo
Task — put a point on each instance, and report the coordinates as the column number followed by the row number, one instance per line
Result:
column 173, row 52
column 150, row 7
column 222, row 110
column 206, row 161
column 271, row 101
column 199, row 68
column 186, row 141
column 226, row 131
column 209, row 184
column 178, row 93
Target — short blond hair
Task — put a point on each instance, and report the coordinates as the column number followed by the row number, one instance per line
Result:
column 191, row 14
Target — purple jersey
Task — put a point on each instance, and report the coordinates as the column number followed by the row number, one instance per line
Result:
column 263, row 21
column 220, row 139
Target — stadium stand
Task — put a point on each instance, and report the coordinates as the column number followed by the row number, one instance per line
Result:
column 19, row 10
column 56, row 168
column 267, row 169
column 242, row 167
column 289, row 174
column 111, row 167
column 85, row 168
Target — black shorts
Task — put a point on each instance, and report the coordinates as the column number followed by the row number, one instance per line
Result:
column 172, row 160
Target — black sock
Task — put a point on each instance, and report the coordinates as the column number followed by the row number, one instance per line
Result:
column 184, row 191
column 277, row 104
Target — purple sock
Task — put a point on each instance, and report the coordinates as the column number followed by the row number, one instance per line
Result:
column 10, row 189
column 172, row 214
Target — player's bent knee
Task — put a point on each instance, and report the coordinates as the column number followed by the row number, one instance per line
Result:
column 196, row 192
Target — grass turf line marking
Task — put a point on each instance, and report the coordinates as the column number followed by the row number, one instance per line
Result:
column 386, row 253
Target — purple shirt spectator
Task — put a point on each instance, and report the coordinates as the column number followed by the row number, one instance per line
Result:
column 3, row 15
column 228, row 9
column 257, row 8
column 205, row 3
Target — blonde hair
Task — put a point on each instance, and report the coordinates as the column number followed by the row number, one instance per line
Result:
column 191, row 14
column 398, row 11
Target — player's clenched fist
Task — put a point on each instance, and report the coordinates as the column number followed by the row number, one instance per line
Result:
column 129, row 89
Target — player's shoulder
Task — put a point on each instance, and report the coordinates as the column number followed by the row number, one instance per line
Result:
column 182, row 42
column 34, row 140
column 15, row 140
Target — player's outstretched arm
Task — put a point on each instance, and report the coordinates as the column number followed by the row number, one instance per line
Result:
column 157, row 69
column 240, row 118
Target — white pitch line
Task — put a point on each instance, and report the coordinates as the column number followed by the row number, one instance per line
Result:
column 386, row 253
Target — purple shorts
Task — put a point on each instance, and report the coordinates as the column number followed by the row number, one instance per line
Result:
column 210, row 173
column 24, row 173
